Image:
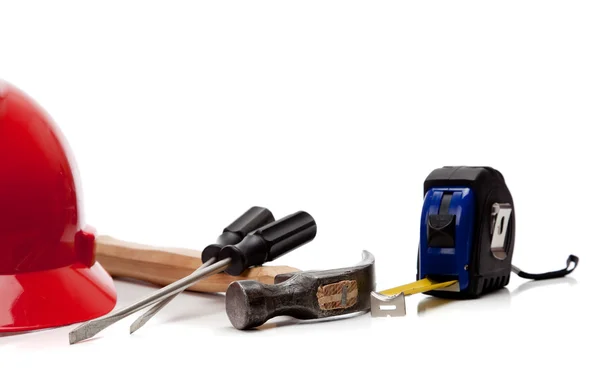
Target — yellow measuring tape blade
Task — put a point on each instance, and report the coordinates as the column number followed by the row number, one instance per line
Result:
column 417, row 287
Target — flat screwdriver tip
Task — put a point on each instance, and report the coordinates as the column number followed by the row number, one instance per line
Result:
column 78, row 334
column 135, row 326
column 139, row 323
column 91, row 328
column 143, row 319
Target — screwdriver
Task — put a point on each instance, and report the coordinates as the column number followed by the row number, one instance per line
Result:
column 210, row 253
column 260, row 246
column 251, row 220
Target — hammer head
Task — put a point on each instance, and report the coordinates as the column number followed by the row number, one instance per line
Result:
column 303, row 295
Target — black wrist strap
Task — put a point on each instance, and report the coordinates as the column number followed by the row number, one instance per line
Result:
column 549, row 275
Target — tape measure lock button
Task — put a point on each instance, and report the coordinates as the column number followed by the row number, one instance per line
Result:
column 441, row 230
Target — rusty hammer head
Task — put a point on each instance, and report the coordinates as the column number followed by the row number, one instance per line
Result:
column 303, row 295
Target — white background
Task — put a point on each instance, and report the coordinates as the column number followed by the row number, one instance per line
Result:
column 183, row 114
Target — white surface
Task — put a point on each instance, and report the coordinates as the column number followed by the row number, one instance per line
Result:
column 182, row 115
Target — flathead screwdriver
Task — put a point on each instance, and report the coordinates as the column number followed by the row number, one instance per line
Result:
column 251, row 220
column 263, row 245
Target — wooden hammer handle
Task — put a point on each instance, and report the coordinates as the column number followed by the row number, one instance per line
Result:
column 162, row 266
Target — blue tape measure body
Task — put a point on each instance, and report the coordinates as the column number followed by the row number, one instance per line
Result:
column 447, row 222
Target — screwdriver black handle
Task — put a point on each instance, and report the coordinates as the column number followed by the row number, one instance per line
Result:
column 251, row 220
column 269, row 242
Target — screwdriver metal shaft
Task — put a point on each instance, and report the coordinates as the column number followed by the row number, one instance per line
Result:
column 141, row 321
column 91, row 328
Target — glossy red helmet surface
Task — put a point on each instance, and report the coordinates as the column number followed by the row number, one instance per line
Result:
column 48, row 276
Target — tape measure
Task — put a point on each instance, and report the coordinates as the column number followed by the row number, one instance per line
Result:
column 467, row 237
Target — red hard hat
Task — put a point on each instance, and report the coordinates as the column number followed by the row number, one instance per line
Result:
column 48, row 275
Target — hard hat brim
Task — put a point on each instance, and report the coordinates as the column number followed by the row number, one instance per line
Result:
column 54, row 298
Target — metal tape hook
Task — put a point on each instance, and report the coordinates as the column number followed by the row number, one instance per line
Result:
column 387, row 305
